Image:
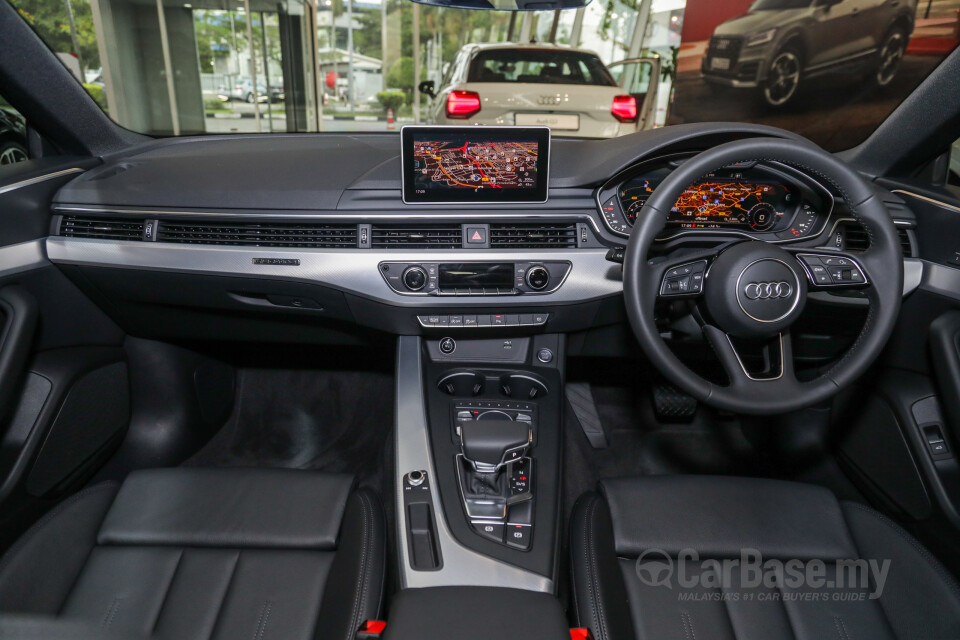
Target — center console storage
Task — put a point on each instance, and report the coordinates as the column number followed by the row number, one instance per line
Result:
column 475, row 613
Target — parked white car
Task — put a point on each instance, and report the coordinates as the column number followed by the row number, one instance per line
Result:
column 569, row 90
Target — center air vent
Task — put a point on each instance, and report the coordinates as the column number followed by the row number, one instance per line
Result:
column 854, row 238
column 102, row 228
column 260, row 234
column 432, row 236
column 533, row 236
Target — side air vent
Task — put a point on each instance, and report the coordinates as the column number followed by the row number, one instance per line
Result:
column 259, row 234
column 101, row 228
column 533, row 236
column 855, row 238
column 399, row 236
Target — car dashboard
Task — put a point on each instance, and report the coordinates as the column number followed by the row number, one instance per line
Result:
column 301, row 230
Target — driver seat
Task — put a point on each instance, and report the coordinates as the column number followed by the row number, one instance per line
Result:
column 629, row 581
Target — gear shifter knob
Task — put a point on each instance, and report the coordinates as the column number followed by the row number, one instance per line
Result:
column 490, row 444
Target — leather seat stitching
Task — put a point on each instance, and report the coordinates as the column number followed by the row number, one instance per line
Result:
column 596, row 608
column 361, row 588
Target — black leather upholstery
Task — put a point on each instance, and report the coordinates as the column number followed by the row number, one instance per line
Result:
column 206, row 553
column 720, row 517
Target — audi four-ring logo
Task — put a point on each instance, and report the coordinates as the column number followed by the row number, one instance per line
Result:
column 768, row 290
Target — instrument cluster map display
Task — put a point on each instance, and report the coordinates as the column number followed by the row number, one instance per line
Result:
column 475, row 164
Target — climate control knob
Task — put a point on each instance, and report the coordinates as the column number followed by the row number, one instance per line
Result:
column 538, row 277
column 414, row 278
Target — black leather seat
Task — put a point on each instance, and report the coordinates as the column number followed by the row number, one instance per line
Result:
column 206, row 553
column 626, row 541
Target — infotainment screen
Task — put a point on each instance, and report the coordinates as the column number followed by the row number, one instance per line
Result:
column 477, row 164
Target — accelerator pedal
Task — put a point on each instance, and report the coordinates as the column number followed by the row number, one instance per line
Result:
column 581, row 399
column 670, row 404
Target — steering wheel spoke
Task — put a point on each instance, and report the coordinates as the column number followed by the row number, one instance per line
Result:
column 776, row 355
column 832, row 270
column 683, row 277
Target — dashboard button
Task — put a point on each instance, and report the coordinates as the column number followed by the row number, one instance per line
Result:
column 469, row 321
column 538, row 278
column 414, row 278
column 518, row 535
column 448, row 346
column 545, row 356
column 456, row 321
column 498, row 320
column 526, row 319
column 490, row 530
column 483, row 320
column 540, row 318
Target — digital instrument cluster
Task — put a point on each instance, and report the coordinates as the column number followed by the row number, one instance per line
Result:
column 771, row 203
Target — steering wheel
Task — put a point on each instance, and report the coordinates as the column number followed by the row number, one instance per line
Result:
column 757, row 290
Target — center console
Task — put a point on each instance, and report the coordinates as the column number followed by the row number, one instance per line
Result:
column 481, row 505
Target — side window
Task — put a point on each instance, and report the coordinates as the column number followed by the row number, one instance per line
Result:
column 13, row 135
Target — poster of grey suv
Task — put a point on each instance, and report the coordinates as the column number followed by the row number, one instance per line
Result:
column 779, row 44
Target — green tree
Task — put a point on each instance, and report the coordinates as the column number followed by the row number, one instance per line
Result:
column 49, row 19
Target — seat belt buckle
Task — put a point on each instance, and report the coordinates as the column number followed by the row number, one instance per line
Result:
column 371, row 630
column 580, row 634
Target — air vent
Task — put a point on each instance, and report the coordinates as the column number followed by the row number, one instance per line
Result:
column 260, row 234
column 434, row 236
column 533, row 236
column 102, row 228
column 855, row 238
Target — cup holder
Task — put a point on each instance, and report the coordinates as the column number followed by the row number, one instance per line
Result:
column 523, row 386
column 462, row 383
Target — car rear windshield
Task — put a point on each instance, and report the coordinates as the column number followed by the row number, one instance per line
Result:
column 779, row 5
column 539, row 66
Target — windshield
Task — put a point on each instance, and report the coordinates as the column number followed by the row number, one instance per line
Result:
column 539, row 66
column 611, row 68
column 778, row 5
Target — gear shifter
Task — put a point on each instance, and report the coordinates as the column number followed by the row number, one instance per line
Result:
column 490, row 444
column 489, row 447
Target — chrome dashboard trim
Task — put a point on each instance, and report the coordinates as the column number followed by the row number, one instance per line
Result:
column 31, row 181
column 356, row 271
column 461, row 566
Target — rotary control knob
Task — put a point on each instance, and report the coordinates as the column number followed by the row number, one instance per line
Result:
column 538, row 277
column 414, row 278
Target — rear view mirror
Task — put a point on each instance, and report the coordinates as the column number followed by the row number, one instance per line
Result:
column 428, row 87
column 508, row 5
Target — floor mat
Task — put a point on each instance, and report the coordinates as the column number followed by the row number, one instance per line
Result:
column 337, row 421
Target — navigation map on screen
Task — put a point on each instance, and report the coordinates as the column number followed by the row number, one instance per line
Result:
column 475, row 164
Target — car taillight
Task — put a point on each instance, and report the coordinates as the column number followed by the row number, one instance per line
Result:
column 462, row 104
column 624, row 108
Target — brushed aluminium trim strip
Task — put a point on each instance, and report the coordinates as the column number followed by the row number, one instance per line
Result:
column 25, row 256
column 31, row 181
column 934, row 201
column 357, row 271
column 461, row 566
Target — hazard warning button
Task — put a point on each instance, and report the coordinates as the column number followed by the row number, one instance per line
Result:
column 476, row 235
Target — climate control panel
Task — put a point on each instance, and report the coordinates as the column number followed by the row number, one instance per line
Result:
column 475, row 278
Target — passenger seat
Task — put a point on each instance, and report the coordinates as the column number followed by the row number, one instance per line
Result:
column 206, row 553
